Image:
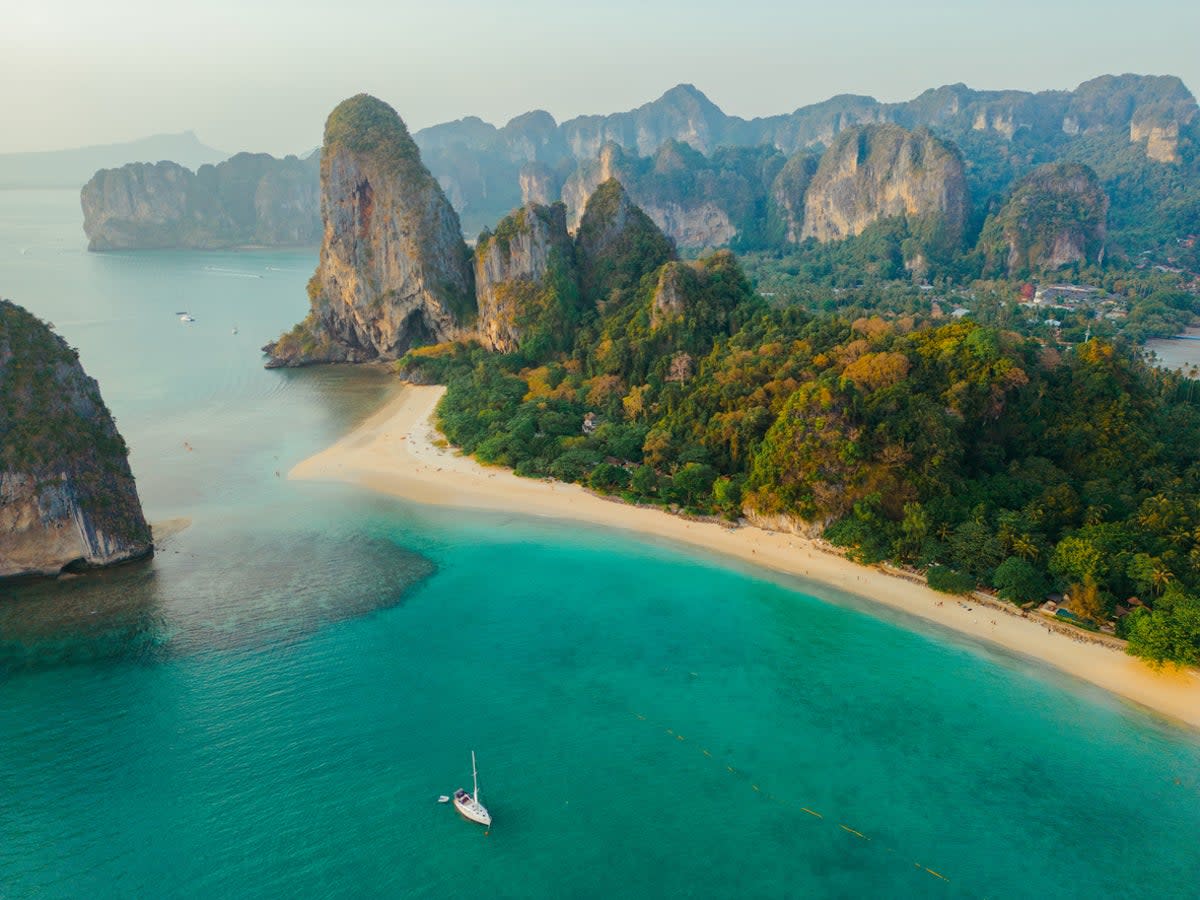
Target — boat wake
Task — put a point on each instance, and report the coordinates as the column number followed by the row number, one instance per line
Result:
column 230, row 273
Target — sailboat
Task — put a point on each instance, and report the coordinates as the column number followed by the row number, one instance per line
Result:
column 468, row 804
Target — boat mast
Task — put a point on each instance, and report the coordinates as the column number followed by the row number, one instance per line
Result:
column 474, row 777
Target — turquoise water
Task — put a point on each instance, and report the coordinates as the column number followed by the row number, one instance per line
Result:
column 270, row 707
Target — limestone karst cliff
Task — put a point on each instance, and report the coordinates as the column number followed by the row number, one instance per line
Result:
column 525, row 281
column 394, row 272
column 67, row 495
column 665, row 327
column 785, row 207
column 701, row 202
column 481, row 164
column 878, row 172
column 616, row 244
column 1057, row 215
column 249, row 199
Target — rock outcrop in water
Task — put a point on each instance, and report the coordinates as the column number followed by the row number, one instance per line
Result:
column 884, row 171
column 1057, row 215
column 525, row 279
column 394, row 271
column 249, row 199
column 67, row 495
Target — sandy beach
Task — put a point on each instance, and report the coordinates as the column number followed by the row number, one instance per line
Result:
column 396, row 451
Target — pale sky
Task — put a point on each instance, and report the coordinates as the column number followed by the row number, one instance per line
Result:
column 263, row 74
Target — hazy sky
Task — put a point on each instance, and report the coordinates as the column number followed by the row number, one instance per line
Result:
column 263, row 74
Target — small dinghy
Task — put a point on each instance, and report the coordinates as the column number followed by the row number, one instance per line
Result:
column 443, row 799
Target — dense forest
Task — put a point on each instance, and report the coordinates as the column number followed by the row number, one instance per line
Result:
column 977, row 453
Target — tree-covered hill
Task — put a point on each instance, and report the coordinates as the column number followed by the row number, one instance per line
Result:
column 979, row 453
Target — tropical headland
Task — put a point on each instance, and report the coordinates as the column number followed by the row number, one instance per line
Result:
column 399, row 451
column 976, row 453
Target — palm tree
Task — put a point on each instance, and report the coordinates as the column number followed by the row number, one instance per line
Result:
column 1160, row 578
column 1024, row 547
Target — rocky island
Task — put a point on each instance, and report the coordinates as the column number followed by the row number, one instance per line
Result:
column 67, row 495
column 394, row 271
column 251, row 199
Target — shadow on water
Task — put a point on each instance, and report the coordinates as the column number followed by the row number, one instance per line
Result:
column 203, row 594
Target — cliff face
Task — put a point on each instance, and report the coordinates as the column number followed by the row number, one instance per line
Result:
column 785, row 210
column 589, row 175
column 394, row 272
column 525, row 279
column 67, row 496
column 677, row 284
column 1056, row 216
column 884, row 171
column 539, row 184
column 248, row 199
column 1003, row 133
column 700, row 202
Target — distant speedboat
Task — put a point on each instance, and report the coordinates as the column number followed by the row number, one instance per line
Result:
column 468, row 804
column 185, row 317
column 234, row 330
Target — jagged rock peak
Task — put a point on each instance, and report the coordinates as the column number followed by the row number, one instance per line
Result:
column 875, row 172
column 617, row 244
column 67, row 495
column 394, row 272
column 1056, row 216
column 525, row 280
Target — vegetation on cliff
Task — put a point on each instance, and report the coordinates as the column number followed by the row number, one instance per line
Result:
column 876, row 173
column 1057, row 216
column 394, row 272
column 970, row 450
column 66, row 490
column 249, row 199
column 617, row 245
column 526, row 283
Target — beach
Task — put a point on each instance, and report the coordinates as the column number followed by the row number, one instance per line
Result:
column 398, row 451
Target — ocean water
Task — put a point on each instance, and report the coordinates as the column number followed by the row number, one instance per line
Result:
column 1181, row 352
column 271, row 707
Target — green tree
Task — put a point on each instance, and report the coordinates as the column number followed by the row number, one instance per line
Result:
column 1168, row 633
column 693, row 482
column 948, row 581
column 1019, row 581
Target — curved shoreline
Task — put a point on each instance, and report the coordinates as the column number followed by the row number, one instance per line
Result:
column 396, row 451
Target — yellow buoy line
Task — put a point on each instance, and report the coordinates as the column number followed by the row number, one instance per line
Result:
column 811, row 812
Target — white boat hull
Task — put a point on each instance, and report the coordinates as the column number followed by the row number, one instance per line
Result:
column 469, row 808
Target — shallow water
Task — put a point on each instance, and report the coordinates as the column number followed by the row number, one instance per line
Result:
column 271, row 707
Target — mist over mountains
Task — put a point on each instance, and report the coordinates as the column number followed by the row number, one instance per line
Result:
column 72, row 168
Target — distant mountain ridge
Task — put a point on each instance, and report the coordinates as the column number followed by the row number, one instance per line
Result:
column 1004, row 134
column 72, row 168
column 712, row 180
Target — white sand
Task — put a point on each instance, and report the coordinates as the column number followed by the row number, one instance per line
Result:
column 394, row 452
